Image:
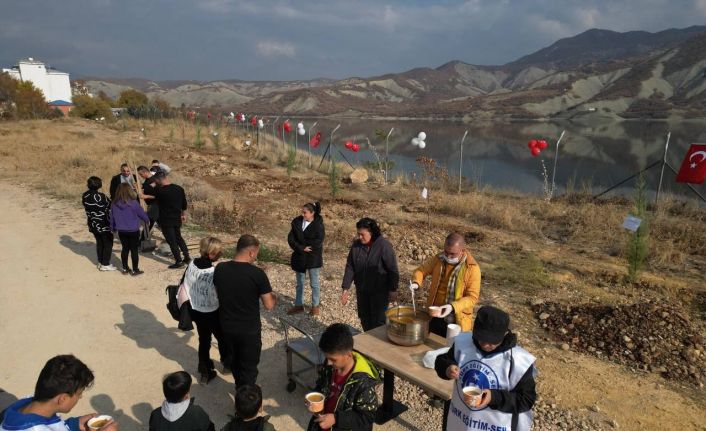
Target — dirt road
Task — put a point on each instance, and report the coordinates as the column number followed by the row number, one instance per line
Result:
column 55, row 301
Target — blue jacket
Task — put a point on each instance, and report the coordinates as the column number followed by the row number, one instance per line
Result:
column 15, row 420
column 125, row 217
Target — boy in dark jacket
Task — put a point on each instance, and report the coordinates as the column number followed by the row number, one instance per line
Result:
column 178, row 411
column 348, row 382
column 248, row 410
column 490, row 359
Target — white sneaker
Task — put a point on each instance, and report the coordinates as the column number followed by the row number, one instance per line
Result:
column 112, row 268
column 99, row 265
column 108, row 268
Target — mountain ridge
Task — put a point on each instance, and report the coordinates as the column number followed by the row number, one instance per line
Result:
column 625, row 75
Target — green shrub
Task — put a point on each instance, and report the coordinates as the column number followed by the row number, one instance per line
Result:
column 637, row 243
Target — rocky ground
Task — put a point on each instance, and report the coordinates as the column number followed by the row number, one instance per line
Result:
column 647, row 336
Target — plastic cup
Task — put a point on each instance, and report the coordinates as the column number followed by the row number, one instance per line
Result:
column 452, row 330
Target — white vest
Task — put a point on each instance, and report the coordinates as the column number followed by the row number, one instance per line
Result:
column 489, row 372
column 199, row 286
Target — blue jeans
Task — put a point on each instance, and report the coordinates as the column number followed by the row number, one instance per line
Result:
column 315, row 287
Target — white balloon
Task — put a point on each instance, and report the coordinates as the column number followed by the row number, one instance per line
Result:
column 301, row 131
column 415, row 141
column 260, row 124
column 422, row 144
column 422, row 136
column 232, row 115
column 300, row 125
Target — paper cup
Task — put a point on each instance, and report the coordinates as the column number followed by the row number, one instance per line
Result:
column 315, row 402
column 452, row 330
column 472, row 395
column 98, row 422
column 434, row 311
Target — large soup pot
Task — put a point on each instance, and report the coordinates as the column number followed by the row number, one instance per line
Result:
column 405, row 327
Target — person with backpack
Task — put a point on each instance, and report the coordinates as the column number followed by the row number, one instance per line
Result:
column 198, row 282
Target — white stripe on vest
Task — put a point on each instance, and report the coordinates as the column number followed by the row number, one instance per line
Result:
column 489, row 372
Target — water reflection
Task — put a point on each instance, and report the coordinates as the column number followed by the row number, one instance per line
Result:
column 495, row 154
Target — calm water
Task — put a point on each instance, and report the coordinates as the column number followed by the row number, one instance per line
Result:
column 496, row 154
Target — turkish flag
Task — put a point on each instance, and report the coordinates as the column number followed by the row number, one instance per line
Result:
column 316, row 140
column 693, row 168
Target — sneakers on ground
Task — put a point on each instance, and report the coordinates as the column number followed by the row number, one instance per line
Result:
column 107, row 268
column 136, row 272
column 315, row 310
column 177, row 265
column 296, row 310
column 125, row 271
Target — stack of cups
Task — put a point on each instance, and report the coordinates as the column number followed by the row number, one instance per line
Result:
column 452, row 330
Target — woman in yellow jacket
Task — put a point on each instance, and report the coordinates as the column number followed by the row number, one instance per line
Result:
column 455, row 285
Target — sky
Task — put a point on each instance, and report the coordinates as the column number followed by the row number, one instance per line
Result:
column 291, row 40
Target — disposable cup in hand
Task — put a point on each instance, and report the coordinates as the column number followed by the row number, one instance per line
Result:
column 434, row 311
column 452, row 330
column 472, row 395
column 98, row 422
column 315, row 402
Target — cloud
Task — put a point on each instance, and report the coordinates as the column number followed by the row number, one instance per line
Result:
column 183, row 39
column 271, row 48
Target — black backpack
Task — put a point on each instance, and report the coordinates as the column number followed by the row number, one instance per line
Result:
column 181, row 315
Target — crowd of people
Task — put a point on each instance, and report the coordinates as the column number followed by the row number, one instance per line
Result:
column 224, row 299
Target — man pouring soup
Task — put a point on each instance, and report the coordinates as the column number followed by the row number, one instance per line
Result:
column 454, row 287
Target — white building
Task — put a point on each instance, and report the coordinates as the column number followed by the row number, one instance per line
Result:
column 54, row 84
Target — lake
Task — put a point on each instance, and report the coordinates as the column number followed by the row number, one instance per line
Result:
column 495, row 154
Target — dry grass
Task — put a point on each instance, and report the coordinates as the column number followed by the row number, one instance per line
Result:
column 72, row 150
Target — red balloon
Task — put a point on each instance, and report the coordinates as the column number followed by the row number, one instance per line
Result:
column 542, row 144
column 355, row 148
column 287, row 127
column 253, row 121
column 349, row 145
column 535, row 151
column 531, row 144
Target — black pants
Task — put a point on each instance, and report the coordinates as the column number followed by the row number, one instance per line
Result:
column 130, row 242
column 104, row 246
column 208, row 324
column 245, row 348
column 172, row 234
column 371, row 308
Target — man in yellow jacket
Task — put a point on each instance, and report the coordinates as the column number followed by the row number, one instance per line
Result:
column 455, row 285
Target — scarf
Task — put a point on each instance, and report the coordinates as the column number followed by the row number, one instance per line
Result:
column 453, row 280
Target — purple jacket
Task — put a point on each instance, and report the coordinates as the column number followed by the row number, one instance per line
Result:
column 125, row 217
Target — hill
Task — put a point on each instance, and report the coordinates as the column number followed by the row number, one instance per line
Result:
column 598, row 72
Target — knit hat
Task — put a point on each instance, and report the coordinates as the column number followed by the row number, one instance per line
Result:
column 491, row 325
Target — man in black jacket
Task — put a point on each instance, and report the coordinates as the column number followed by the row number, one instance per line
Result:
column 148, row 187
column 125, row 176
column 171, row 199
column 489, row 359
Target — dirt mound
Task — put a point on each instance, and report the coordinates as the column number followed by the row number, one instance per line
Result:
column 649, row 336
